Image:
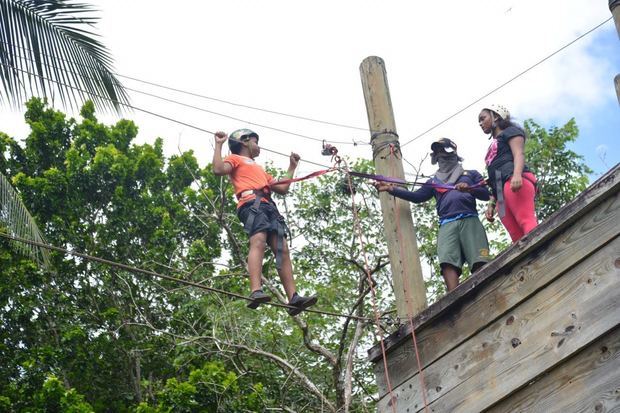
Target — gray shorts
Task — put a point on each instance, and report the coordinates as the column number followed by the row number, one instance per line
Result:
column 463, row 240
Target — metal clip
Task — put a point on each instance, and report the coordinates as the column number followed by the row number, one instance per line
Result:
column 328, row 149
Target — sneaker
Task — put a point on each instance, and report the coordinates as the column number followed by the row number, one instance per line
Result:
column 258, row 297
column 301, row 303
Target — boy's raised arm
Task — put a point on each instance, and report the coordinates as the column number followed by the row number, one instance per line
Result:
column 283, row 188
column 219, row 166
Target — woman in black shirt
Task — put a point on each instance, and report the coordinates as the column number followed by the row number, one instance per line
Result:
column 513, row 185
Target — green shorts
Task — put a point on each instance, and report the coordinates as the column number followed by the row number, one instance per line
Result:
column 462, row 240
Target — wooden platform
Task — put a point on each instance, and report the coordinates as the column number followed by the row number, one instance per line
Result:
column 537, row 329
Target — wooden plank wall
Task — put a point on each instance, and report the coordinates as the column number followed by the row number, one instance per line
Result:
column 588, row 382
column 526, row 322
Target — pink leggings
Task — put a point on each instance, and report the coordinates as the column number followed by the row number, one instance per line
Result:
column 520, row 215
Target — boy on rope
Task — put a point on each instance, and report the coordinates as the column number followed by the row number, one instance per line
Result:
column 461, row 234
column 259, row 214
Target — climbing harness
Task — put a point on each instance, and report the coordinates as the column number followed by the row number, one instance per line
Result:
column 279, row 226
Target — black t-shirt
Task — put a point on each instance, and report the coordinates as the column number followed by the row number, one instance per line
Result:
column 504, row 160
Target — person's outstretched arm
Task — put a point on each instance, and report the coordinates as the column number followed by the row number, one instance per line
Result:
column 283, row 188
column 423, row 194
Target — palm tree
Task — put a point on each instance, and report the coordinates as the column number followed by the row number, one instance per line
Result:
column 47, row 49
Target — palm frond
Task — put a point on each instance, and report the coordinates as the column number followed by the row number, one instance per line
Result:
column 47, row 49
column 15, row 216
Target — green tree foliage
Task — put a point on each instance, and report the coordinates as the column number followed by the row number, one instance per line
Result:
column 47, row 48
column 208, row 389
column 98, row 337
column 96, row 192
column 54, row 398
column 562, row 174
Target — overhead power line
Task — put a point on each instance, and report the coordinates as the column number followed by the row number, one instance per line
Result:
column 187, row 105
column 242, row 105
column 189, row 125
column 305, row 136
column 505, row 83
column 202, row 96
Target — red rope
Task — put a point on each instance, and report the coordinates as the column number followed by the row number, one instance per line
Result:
column 302, row 178
column 406, row 287
column 357, row 227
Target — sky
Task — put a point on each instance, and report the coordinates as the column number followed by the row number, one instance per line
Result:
column 302, row 58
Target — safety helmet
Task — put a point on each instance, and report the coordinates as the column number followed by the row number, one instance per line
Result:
column 501, row 110
column 239, row 136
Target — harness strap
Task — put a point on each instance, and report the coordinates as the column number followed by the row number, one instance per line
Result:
column 249, row 224
column 499, row 186
column 281, row 227
column 499, row 183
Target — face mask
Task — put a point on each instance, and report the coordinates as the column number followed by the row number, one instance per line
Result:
column 447, row 161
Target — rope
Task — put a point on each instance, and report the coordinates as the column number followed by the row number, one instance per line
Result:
column 165, row 277
column 357, row 227
column 407, row 288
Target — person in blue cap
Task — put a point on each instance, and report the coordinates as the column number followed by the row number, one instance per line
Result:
column 462, row 237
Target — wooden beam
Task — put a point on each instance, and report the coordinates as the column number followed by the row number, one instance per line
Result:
column 587, row 382
column 409, row 288
column 503, row 293
column 603, row 188
column 560, row 320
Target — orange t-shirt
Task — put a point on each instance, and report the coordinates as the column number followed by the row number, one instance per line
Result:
column 246, row 174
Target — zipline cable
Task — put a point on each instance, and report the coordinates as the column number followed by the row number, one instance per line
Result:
column 165, row 277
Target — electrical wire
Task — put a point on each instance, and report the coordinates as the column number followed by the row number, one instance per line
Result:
column 504, row 84
column 187, row 105
column 186, row 92
column 189, row 125
column 319, row 121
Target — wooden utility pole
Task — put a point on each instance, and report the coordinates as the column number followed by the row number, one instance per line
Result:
column 400, row 233
column 614, row 7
